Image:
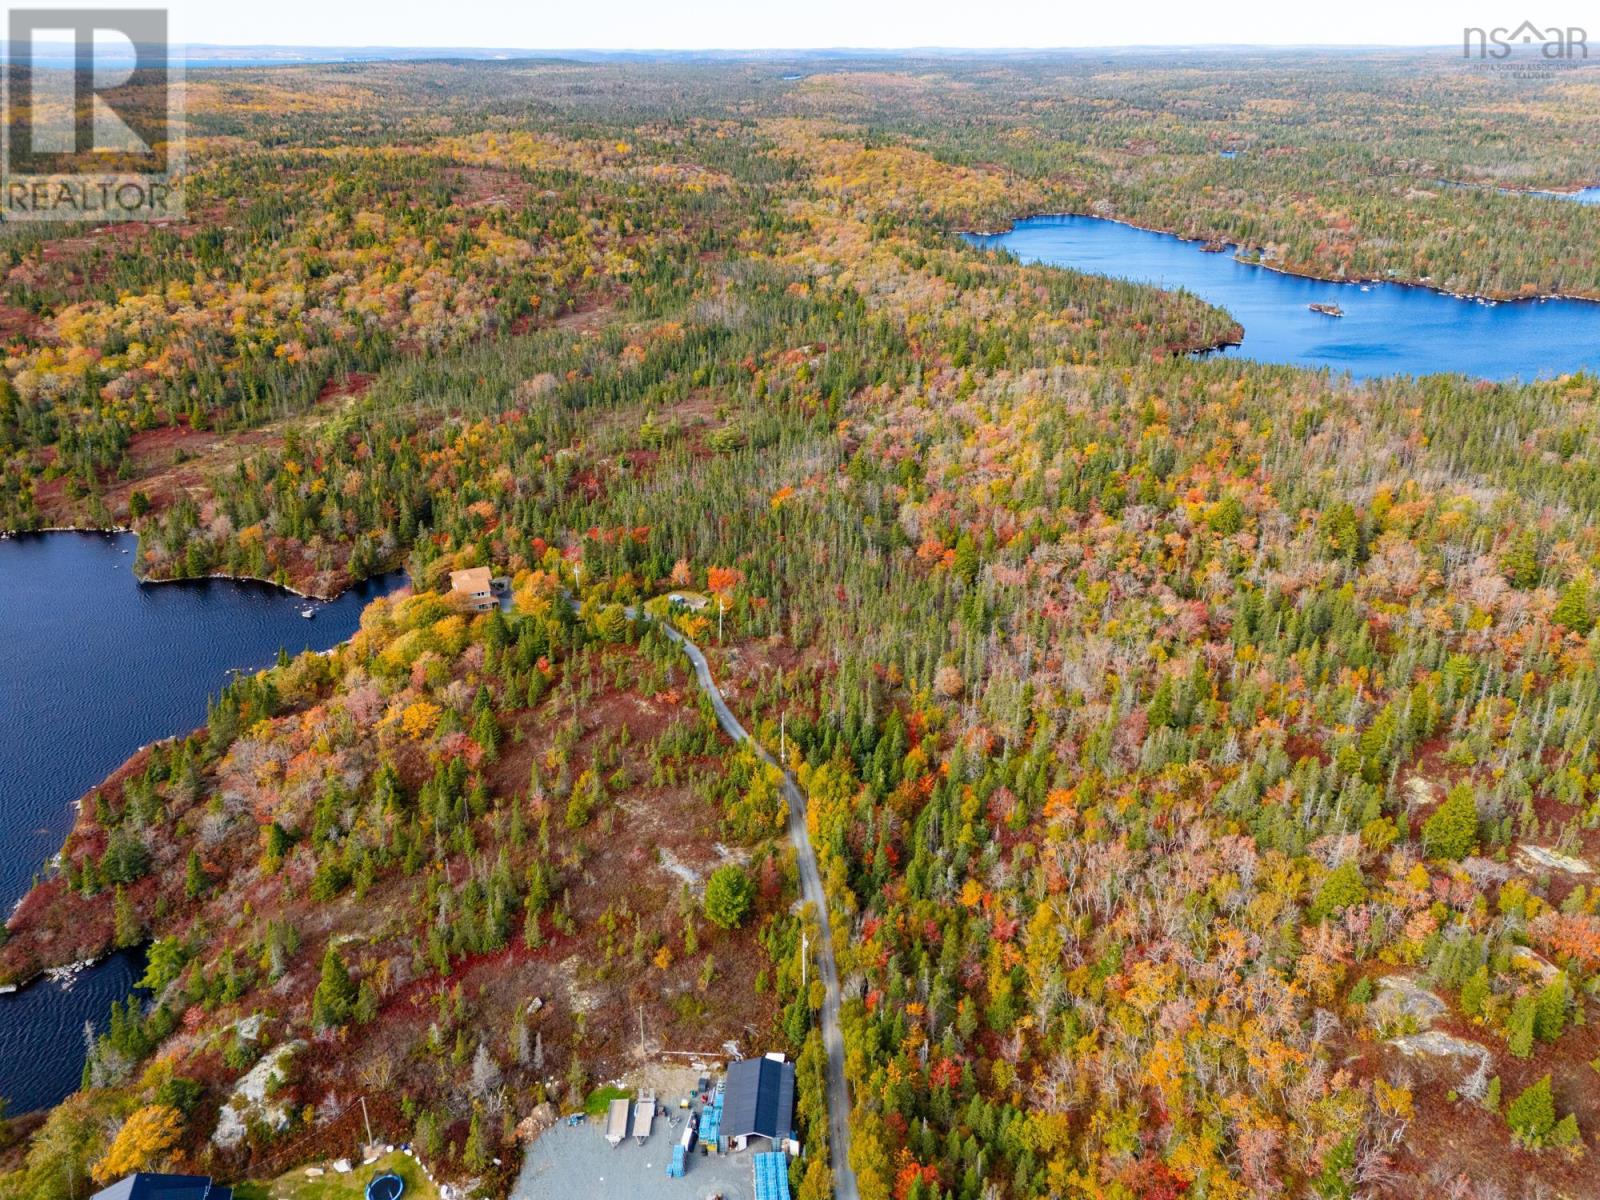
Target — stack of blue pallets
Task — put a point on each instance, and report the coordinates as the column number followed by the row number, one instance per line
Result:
column 711, row 1122
column 676, row 1166
column 772, row 1176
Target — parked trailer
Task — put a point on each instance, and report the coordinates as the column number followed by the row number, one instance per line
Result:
column 644, row 1115
column 617, row 1122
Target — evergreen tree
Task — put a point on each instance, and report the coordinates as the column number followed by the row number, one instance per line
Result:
column 1550, row 1009
column 612, row 624
column 275, row 844
column 1532, row 1115
column 1343, row 887
column 386, row 788
column 966, row 560
column 1573, row 610
column 1452, row 830
column 1520, row 1027
column 1566, row 1131
column 1520, row 563
column 486, row 732
column 366, row 1006
column 1475, row 991
column 729, row 893
column 195, row 881
column 127, row 930
column 1341, row 532
column 476, row 1155
column 1226, row 515
column 1161, row 710
column 335, row 997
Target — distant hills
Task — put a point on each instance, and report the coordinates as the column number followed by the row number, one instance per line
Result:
column 201, row 55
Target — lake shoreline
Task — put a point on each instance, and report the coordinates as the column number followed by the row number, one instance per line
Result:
column 71, row 996
column 1357, row 280
column 94, row 945
column 1568, row 192
column 101, row 700
column 94, row 942
column 59, row 970
column 323, row 596
column 1390, row 328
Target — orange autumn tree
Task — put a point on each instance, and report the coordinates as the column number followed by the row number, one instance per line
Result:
column 722, row 580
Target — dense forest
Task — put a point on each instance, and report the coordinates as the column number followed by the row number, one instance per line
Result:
column 1201, row 755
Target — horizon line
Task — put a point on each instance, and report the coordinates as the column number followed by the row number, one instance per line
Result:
column 800, row 51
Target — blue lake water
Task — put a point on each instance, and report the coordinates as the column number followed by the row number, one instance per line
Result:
column 1581, row 196
column 94, row 665
column 1387, row 329
column 42, row 1040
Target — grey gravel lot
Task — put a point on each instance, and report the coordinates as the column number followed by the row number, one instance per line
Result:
column 576, row 1163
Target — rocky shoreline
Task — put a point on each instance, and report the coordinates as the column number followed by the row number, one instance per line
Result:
column 36, row 947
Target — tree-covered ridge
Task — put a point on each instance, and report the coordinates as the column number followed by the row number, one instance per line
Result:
column 306, row 266
column 342, row 216
column 819, row 306
column 1381, row 165
column 369, row 864
column 1384, row 163
column 1134, row 839
column 1199, row 754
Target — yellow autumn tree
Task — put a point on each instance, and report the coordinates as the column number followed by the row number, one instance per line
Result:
column 419, row 718
column 141, row 1143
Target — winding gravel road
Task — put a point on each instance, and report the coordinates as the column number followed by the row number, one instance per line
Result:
column 844, row 1179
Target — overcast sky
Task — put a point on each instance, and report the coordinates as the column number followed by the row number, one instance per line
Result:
column 769, row 24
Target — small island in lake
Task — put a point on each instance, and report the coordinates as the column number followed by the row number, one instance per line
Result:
column 1327, row 310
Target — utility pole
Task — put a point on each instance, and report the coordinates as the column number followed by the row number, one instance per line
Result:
column 365, row 1121
column 805, row 960
column 641, row 1031
column 722, row 607
column 783, row 751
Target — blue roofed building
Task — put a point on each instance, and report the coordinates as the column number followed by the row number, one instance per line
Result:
column 144, row 1185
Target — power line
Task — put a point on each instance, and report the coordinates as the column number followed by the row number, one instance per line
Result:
column 283, row 1153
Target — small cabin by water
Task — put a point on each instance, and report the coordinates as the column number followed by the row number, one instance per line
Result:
column 470, row 589
column 477, row 589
